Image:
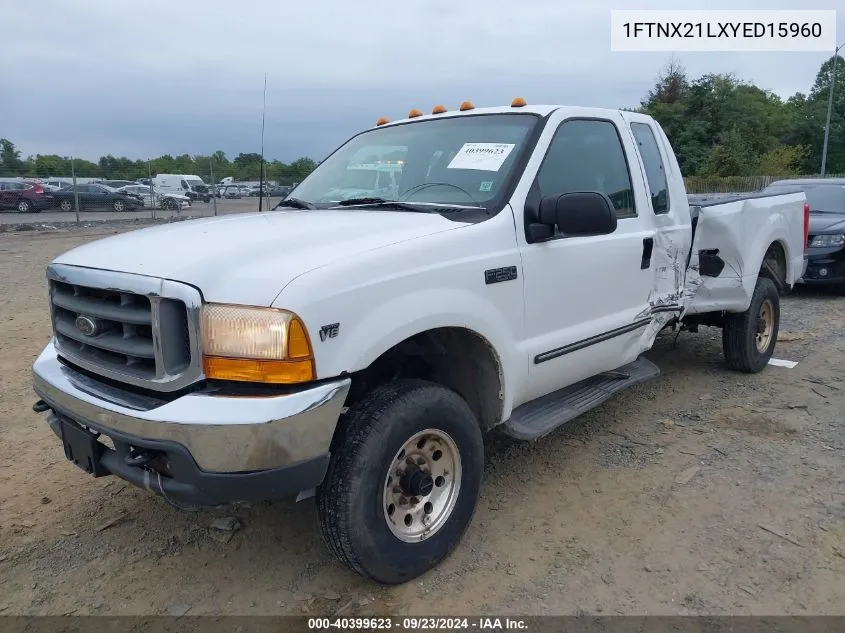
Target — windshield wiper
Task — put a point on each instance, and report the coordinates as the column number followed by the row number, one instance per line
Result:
column 385, row 204
column 295, row 203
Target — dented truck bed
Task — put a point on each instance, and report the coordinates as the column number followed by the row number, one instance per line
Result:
column 732, row 235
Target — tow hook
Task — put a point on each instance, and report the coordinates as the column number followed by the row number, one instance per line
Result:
column 141, row 459
column 40, row 407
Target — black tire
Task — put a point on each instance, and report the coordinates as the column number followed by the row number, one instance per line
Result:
column 168, row 204
column 66, row 206
column 351, row 499
column 25, row 206
column 740, row 331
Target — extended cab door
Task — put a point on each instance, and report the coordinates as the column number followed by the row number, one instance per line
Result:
column 587, row 297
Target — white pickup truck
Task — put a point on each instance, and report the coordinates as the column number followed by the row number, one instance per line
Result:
column 358, row 349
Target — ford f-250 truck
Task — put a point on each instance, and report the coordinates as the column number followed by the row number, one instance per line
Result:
column 358, row 349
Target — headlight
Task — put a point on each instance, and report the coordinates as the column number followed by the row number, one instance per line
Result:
column 826, row 241
column 255, row 345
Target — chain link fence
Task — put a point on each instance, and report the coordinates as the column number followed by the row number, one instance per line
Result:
column 76, row 190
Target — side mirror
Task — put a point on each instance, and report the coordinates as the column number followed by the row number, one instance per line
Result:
column 579, row 213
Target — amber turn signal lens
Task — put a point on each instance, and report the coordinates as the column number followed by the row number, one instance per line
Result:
column 277, row 372
column 438, row 109
column 518, row 102
column 467, row 105
column 299, row 345
column 414, row 113
column 382, row 121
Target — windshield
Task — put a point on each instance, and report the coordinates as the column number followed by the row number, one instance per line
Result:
column 821, row 198
column 826, row 198
column 195, row 182
column 459, row 161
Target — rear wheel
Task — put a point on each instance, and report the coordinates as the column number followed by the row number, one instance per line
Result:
column 403, row 480
column 24, row 206
column 66, row 205
column 749, row 338
column 119, row 206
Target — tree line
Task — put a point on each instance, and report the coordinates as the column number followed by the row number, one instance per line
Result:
column 242, row 167
column 719, row 126
column 722, row 126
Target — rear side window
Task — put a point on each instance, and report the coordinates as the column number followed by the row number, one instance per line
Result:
column 185, row 184
column 587, row 155
column 654, row 169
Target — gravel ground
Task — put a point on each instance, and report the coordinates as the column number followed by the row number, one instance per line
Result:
column 701, row 492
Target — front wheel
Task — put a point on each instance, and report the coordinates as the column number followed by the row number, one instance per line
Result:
column 403, row 481
column 119, row 206
column 66, row 205
column 24, row 206
column 749, row 338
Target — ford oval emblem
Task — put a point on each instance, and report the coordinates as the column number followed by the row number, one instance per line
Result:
column 86, row 325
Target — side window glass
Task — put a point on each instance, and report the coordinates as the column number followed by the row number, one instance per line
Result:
column 185, row 184
column 587, row 155
column 654, row 169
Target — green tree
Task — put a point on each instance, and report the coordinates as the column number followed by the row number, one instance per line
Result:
column 10, row 158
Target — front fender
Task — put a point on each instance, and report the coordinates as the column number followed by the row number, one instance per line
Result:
column 402, row 317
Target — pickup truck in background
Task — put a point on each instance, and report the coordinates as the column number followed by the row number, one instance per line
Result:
column 523, row 261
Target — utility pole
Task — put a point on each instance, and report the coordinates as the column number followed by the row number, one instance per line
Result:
column 261, row 176
column 213, row 186
column 152, row 191
column 830, row 106
column 75, row 190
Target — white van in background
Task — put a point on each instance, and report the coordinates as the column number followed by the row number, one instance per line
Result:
column 185, row 184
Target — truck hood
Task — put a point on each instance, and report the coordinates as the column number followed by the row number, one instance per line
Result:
column 827, row 223
column 249, row 259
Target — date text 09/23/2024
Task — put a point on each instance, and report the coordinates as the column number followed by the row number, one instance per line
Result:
column 419, row 623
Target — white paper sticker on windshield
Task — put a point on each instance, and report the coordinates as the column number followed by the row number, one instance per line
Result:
column 481, row 156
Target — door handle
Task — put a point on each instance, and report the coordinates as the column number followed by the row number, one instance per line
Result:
column 648, row 246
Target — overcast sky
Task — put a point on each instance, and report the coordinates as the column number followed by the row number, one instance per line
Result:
column 140, row 79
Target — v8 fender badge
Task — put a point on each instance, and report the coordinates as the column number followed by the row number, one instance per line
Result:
column 329, row 331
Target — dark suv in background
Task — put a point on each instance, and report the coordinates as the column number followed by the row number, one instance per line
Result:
column 23, row 197
column 826, row 241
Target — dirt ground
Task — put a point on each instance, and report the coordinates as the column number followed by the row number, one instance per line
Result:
column 701, row 492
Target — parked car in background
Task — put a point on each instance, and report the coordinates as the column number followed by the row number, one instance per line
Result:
column 95, row 196
column 143, row 181
column 232, row 192
column 116, row 184
column 157, row 199
column 185, row 184
column 826, row 235
column 280, row 191
column 24, row 197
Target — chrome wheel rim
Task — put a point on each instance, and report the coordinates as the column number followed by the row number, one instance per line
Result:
column 23, row 206
column 118, row 206
column 765, row 325
column 66, row 206
column 422, row 486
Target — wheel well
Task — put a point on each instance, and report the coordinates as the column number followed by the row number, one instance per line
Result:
column 774, row 265
column 453, row 357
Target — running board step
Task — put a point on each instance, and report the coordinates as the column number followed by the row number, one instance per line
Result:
column 540, row 417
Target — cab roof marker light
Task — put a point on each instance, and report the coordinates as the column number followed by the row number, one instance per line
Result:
column 519, row 102
column 383, row 121
column 414, row 113
column 438, row 109
column 467, row 105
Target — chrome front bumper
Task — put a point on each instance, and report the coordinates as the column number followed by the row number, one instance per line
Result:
column 222, row 434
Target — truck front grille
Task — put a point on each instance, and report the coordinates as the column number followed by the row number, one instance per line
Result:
column 120, row 331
